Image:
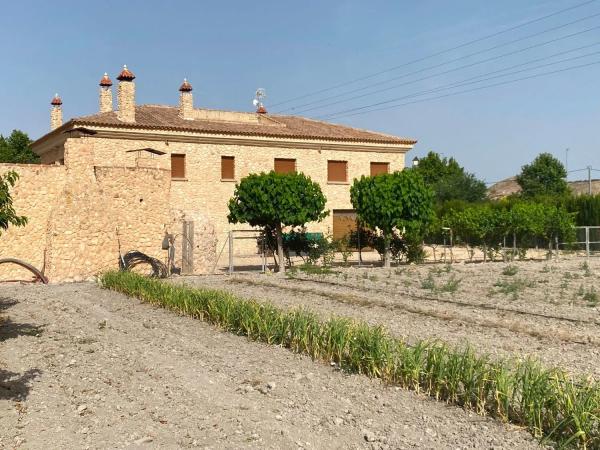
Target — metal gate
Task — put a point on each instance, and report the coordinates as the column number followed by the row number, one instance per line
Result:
column 187, row 251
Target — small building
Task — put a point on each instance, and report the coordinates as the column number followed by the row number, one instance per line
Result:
column 120, row 179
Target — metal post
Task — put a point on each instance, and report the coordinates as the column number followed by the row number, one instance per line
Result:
column 587, row 241
column 230, row 237
column 264, row 256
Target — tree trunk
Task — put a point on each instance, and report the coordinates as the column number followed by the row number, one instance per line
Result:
column 279, row 235
column 387, row 253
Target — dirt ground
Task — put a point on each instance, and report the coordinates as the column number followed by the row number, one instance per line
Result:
column 81, row 367
column 548, row 310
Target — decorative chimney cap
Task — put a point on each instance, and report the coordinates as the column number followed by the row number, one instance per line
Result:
column 185, row 86
column 105, row 81
column 56, row 101
column 261, row 109
column 126, row 74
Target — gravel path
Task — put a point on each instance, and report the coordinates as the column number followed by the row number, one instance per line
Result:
column 547, row 320
column 85, row 368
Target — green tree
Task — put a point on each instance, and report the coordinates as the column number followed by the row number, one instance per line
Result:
column 275, row 200
column 397, row 202
column 545, row 176
column 8, row 215
column 449, row 180
column 16, row 149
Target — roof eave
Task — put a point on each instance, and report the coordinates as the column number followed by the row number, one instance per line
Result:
column 239, row 133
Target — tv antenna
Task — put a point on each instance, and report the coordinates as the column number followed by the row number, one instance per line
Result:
column 261, row 94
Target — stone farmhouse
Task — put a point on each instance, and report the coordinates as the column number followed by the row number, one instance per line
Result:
column 121, row 179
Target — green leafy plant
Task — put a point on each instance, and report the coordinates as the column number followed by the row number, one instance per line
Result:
column 428, row 283
column 8, row 215
column 16, row 148
column 591, row 296
column 398, row 202
column 510, row 271
column 513, row 287
column 451, row 285
column 274, row 201
column 546, row 175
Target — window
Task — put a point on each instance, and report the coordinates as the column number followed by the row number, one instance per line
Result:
column 283, row 165
column 227, row 168
column 177, row 166
column 337, row 171
column 379, row 167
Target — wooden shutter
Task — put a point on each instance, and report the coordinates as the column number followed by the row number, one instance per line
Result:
column 227, row 168
column 283, row 165
column 337, row 171
column 177, row 166
column 344, row 223
column 379, row 167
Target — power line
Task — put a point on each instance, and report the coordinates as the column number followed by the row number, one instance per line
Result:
column 493, row 58
column 465, row 44
column 483, row 77
column 342, row 113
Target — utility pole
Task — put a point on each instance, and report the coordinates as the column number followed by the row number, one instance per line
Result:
column 589, row 169
column 567, row 161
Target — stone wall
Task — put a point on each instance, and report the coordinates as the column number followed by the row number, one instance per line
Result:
column 81, row 215
column 106, row 197
column 205, row 194
column 35, row 196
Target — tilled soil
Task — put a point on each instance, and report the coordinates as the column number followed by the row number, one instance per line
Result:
column 81, row 367
column 545, row 317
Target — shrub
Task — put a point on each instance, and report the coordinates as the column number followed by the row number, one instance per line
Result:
column 398, row 202
column 510, row 270
column 274, row 201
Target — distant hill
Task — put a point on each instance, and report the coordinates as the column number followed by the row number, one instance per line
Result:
column 510, row 186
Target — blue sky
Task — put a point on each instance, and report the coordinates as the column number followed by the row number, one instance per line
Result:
column 228, row 49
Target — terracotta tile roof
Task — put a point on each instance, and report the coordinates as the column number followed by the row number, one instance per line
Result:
column 105, row 81
column 185, row 86
column 126, row 74
column 159, row 117
column 56, row 100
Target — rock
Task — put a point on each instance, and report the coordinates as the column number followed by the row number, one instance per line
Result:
column 338, row 421
column 81, row 409
column 278, row 417
column 369, row 436
column 144, row 440
column 102, row 324
column 271, row 385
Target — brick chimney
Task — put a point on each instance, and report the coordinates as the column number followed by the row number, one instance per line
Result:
column 126, row 96
column 106, row 100
column 56, row 118
column 186, row 100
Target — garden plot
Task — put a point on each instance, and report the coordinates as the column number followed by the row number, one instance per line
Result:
column 82, row 367
column 547, row 310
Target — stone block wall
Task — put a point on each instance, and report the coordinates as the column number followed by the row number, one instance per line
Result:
column 203, row 193
column 81, row 215
column 35, row 195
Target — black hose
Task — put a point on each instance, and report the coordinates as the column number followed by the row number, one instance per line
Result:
column 134, row 258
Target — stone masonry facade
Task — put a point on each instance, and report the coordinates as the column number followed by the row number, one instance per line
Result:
column 105, row 184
